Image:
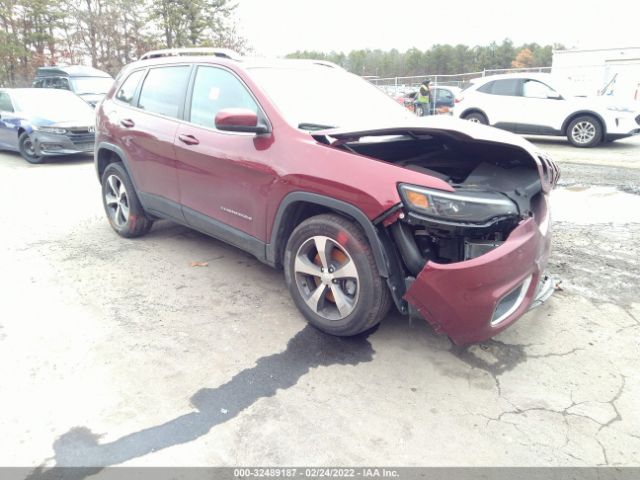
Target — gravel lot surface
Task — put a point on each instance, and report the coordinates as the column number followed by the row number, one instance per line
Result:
column 119, row 352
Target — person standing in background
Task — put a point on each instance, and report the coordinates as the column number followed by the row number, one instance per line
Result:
column 423, row 99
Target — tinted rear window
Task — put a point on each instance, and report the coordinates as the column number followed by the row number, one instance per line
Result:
column 163, row 90
column 501, row 87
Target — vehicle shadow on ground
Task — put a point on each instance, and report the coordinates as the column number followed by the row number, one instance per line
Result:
column 308, row 349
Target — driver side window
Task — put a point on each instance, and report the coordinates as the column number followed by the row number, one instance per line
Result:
column 215, row 89
column 535, row 89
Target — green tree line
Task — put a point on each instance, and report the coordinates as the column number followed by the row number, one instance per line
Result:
column 439, row 59
column 106, row 34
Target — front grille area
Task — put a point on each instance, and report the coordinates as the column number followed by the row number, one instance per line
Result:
column 82, row 138
column 550, row 170
column 80, row 130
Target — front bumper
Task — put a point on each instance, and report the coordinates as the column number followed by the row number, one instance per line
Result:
column 473, row 300
column 622, row 125
column 51, row 144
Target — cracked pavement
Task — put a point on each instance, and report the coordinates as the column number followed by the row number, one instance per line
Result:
column 120, row 352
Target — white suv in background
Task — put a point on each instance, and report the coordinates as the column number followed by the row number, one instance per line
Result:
column 541, row 104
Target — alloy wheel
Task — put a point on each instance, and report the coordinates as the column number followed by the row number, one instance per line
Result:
column 28, row 147
column 326, row 277
column 117, row 201
column 583, row 132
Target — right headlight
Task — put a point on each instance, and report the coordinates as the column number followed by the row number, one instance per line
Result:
column 464, row 207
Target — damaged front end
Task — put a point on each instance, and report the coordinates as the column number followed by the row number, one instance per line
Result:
column 473, row 256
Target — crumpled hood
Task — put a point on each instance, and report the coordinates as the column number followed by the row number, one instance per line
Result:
column 437, row 124
column 448, row 127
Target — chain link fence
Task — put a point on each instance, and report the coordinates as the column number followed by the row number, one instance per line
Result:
column 400, row 85
column 615, row 78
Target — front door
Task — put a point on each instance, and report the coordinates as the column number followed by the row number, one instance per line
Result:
column 224, row 177
column 543, row 109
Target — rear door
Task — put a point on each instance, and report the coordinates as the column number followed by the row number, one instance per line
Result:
column 444, row 98
column 146, row 131
column 500, row 100
column 222, row 175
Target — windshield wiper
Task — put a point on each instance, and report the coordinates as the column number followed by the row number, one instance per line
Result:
column 314, row 126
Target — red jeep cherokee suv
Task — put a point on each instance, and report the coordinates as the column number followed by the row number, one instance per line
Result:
column 314, row 170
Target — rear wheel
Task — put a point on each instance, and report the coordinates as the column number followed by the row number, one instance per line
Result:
column 584, row 131
column 121, row 203
column 333, row 278
column 477, row 117
column 27, row 149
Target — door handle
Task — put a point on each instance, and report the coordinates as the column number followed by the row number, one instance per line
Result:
column 188, row 139
column 127, row 122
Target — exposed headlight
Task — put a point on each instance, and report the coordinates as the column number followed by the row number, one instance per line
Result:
column 465, row 207
column 618, row 108
column 58, row 130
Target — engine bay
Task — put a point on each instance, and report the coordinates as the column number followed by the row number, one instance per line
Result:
column 472, row 168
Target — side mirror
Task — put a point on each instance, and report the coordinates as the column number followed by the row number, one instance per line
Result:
column 554, row 96
column 239, row 120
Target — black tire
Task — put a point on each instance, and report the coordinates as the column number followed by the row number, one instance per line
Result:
column 585, row 131
column 477, row 117
column 25, row 146
column 135, row 222
column 370, row 297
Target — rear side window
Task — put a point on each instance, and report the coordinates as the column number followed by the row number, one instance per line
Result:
column 163, row 90
column 216, row 89
column 501, row 87
column 5, row 102
column 128, row 88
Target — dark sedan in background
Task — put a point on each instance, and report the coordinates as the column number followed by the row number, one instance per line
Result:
column 43, row 122
column 444, row 99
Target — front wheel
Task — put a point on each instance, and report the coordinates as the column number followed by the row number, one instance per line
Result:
column 584, row 132
column 27, row 149
column 333, row 278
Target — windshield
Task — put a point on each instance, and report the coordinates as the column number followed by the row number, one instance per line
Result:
column 54, row 105
column 87, row 85
column 323, row 97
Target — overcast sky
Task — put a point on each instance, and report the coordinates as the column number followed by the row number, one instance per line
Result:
column 278, row 27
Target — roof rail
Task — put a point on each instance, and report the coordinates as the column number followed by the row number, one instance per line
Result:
column 175, row 52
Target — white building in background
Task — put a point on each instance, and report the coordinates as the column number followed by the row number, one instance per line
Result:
column 607, row 71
